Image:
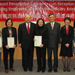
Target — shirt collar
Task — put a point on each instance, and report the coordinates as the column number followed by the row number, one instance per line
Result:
column 52, row 23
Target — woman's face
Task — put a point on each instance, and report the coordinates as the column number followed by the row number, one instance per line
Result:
column 40, row 23
column 67, row 22
column 9, row 23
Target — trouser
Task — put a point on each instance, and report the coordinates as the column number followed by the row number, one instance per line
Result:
column 0, row 60
column 41, row 58
column 27, row 57
column 55, row 51
column 9, row 51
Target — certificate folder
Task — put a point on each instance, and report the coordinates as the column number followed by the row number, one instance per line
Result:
column 10, row 41
column 38, row 41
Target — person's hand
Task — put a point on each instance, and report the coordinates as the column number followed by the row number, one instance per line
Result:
column 74, row 44
column 14, row 46
column 34, row 39
column 7, row 46
column 67, row 45
column 19, row 45
column 58, row 45
column 41, row 45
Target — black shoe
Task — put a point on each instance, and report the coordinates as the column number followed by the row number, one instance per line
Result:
column 55, row 70
column 74, row 68
column 64, row 69
column 30, row 69
column 38, row 70
column 50, row 70
column 43, row 70
column 25, row 70
column 68, row 70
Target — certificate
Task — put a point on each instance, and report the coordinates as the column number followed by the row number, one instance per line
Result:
column 0, row 42
column 10, row 41
column 38, row 41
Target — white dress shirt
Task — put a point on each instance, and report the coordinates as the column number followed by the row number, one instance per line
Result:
column 52, row 24
column 27, row 25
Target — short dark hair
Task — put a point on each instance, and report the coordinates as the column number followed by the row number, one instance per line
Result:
column 38, row 21
column 67, row 18
column 8, row 20
column 51, row 14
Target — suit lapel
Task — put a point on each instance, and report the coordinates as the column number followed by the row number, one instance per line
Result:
column 50, row 26
column 54, row 26
column 65, row 30
column 7, row 31
column 25, row 27
column 31, row 27
column 12, row 31
column 69, row 30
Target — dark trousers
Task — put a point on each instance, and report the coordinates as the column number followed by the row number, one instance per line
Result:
column 41, row 58
column 9, row 51
column 0, row 60
column 55, row 52
column 27, row 57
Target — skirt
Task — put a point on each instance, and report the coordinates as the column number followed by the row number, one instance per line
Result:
column 66, row 51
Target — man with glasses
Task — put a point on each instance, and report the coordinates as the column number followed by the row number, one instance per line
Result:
column 53, row 42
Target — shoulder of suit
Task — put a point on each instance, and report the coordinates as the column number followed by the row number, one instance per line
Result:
column 33, row 23
column 4, row 28
column 71, row 26
column 57, row 23
column 22, row 24
column 63, row 26
column 13, row 27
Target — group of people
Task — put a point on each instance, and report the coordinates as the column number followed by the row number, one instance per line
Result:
column 52, row 36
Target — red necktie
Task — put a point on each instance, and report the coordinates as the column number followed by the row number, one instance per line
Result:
column 28, row 29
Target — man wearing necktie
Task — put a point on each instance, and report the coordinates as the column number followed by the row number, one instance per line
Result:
column 53, row 42
column 25, row 36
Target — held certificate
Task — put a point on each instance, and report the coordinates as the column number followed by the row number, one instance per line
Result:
column 10, row 41
column 38, row 41
column 0, row 42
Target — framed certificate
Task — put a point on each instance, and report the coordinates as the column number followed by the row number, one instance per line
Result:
column 10, row 41
column 38, row 41
column 0, row 42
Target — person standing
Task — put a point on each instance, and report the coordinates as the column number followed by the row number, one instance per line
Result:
column 0, row 48
column 66, row 43
column 41, row 30
column 9, row 31
column 26, row 35
column 53, row 42
column 74, row 41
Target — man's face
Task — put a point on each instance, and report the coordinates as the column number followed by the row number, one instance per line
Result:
column 52, row 18
column 28, row 18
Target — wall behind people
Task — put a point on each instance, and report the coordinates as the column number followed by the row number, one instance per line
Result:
column 18, row 54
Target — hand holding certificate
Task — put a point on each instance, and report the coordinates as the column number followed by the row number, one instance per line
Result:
column 0, row 42
column 38, row 41
column 10, row 41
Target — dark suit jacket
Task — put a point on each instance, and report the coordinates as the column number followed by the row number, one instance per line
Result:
column 5, row 34
column 66, row 38
column 42, row 31
column 54, row 34
column 25, row 39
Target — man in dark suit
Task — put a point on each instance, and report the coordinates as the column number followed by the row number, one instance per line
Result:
column 53, row 42
column 25, row 36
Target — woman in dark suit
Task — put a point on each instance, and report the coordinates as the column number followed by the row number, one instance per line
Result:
column 66, row 43
column 41, row 30
column 9, row 31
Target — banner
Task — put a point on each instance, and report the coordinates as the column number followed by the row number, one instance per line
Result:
column 16, row 10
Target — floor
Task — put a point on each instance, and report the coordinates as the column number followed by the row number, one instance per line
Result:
column 19, row 69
